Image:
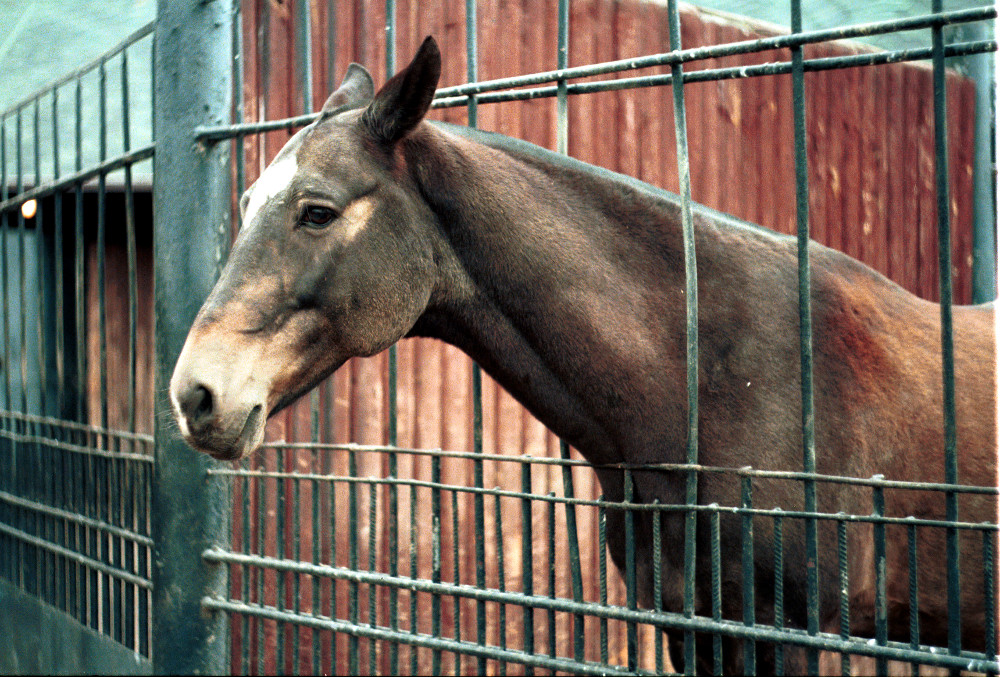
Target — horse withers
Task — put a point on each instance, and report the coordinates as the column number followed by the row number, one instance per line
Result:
column 565, row 282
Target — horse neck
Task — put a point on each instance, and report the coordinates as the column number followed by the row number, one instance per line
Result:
column 556, row 282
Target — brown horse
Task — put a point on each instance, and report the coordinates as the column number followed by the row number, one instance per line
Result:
column 566, row 283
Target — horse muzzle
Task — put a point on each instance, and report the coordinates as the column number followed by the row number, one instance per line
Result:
column 227, row 435
column 219, row 412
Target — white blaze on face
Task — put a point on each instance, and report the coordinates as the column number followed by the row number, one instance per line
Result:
column 275, row 179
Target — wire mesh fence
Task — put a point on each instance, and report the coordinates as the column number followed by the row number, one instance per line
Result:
column 408, row 516
column 77, row 422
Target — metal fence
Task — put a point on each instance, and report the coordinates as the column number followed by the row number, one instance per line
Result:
column 364, row 542
column 76, row 461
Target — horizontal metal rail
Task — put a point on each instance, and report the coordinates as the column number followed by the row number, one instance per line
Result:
column 446, row 98
column 75, row 556
column 78, row 448
column 76, row 518
column 527, row 459
column 647, row 507
column 70, row 180
column 731, row 73
column 723, row 50
column 927, row 655
column 82, row 70
column 65, row 424
column 382, row 633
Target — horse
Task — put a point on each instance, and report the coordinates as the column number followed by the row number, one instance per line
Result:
column 565, row 282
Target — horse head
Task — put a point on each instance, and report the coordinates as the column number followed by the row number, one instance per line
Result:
column 335, row 259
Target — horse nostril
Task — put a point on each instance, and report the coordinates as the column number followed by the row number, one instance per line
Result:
column 196, row 405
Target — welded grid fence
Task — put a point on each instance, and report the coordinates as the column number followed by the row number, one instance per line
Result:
column 357, row 571
column 320, row 579
column 76, row 441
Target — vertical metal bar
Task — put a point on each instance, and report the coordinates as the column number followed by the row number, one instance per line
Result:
column 527, row 560
column 471, row 57
column 352, row 499
column 631, row 634
column 19, row 455
column 43, row 455
column 691, row 314
column 262, row 510
column 303, row 52
column 911, row 543
column 436, row 559
column 316, row 608
column 551, row 532
column 845, row 596
column 989, row 592
column 749, row 610
column 947, row 342
column 479, row 508
column 246, row 547
column 562, row 61
column 7, row 424
column 61, row 476
column 657, row 584
column 5, row 226
column 602, row 573
column 331, row 47
column 80, row 262
column 779, row 588
column 60, row 315
column 472, row 74
column 805, row 333
column 296, row 555
column 105, row 443
column 576, row 575
column 21, row 267
column 133, row 314
column 562, row 146
column 133, row 303
column 102, row 219
column 393, row 358
column 372, row 588
column 501, row 584
column 413, row 574
column 457, row 578
column 84, row 534
column 238, row 96
column 333, row 542
column 881, row 604
column 716, row 572
column 281, row 545
column 190, row 509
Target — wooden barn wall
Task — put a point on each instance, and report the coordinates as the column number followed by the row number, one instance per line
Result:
column 871, row 167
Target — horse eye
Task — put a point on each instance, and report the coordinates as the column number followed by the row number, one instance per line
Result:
column 317, row 217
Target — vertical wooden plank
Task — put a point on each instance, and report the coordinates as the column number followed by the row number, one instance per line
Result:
column 630, row 101
column 873, row 169
column 900, row 168
column 961, row 101
column 851, row 177
column 819, row 146
column 920, row 262
column 832, row 92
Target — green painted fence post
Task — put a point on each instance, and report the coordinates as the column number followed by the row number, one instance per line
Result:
column 191, row 511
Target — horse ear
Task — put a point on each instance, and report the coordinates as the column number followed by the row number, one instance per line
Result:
column 357, row 88
column 402, row 103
